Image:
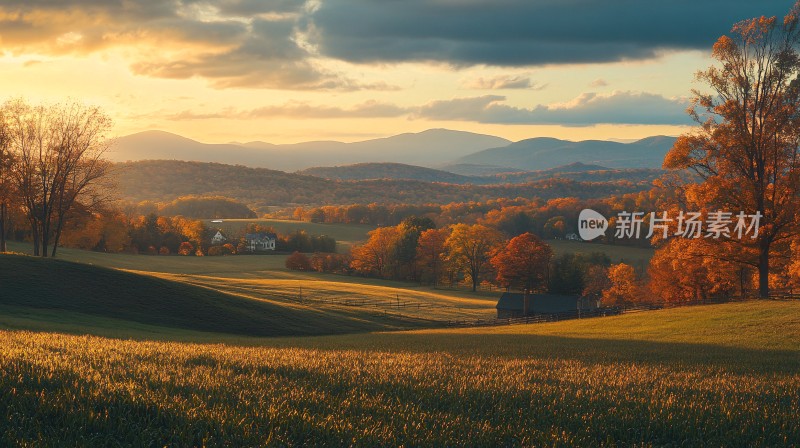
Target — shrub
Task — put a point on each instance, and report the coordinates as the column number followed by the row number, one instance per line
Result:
column 298, row 262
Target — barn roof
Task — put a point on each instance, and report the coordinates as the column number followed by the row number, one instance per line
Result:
column 540, row 303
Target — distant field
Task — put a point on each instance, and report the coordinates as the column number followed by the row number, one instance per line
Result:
column 345, row 234
column 637, row 257
column 722, row 375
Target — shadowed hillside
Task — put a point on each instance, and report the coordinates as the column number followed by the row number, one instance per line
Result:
column 34, row 283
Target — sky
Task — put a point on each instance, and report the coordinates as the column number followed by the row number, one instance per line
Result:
column 285, row 71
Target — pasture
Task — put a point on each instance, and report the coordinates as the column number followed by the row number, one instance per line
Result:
column 637, row 257
column 345, row 234
column 721, row 375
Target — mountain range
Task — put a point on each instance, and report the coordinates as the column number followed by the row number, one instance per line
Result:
column 458, row 152
column 427, row 148
column 544, row 153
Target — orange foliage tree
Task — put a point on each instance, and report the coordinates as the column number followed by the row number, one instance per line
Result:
column 624, row 286
column 523, row 262
column 679, row 273
column 746, row 147
column 375, row 256
column 186, row 248
column 298, row 262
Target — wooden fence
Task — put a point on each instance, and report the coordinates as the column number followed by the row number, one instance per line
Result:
column 606, row 311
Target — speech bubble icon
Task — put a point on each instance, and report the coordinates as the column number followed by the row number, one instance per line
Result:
column 591, row 224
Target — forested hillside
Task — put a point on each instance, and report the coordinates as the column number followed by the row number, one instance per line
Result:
column 258, row 187
column 575, row 171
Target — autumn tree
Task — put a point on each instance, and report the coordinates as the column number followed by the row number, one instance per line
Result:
column 431, row 253
column 745, row 149
column 59, row 162
column 677, row 273
column 374, row 256
column 298, row 262
column 523, row 262
column 623, row 286
column 595, row 281
column 470, row 247
column 186, row 248
column 405, row 248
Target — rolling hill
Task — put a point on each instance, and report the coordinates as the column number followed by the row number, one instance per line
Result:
column 366, row 171
column 30, row 283
column 544, row 153
column 434, row 146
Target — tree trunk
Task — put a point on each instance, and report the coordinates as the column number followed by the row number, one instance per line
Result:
column 763, row 270
column 35, row 235
column 3, row 247
column 45, row 236
column 59, row 228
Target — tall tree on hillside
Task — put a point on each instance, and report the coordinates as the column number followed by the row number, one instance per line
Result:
column 523, row 263
column 59, row 161
column 431, row 252
column 405, row 252
column 746, row 147
column 470, row 248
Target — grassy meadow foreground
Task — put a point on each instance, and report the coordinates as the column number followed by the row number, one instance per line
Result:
column 128, row 350
column 722, row 375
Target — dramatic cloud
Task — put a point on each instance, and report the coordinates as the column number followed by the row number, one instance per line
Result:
column 232, row 43
column 502, row 82
column 289, row 44
column 526, row 32
column 588, row 109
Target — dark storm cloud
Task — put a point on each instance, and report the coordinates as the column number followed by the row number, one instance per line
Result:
column 526, row 32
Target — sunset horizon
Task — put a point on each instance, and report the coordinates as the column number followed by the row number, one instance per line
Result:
column 291, row 72
column 411, row 223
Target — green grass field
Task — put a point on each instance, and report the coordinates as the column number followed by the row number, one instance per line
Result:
column 29, row 283
column 721, row 375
